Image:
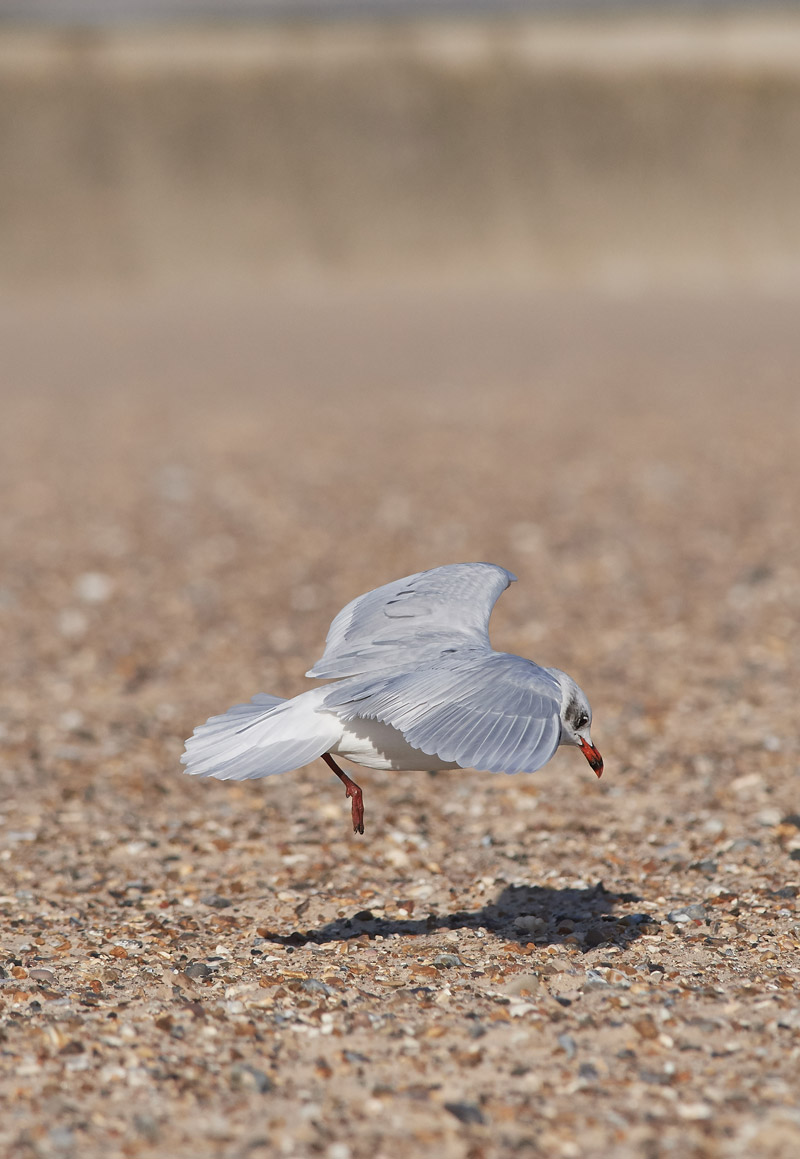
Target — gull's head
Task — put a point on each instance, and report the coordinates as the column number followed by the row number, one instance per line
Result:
column 576, row 719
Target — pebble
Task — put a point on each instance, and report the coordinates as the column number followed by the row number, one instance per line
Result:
column 314, row 986
column 635, row 919
column 216, row 901
column 469, row 1113
column 446, row 961
column 41, row 975
column 687, row 913
column 595, row 980
column 198, row 970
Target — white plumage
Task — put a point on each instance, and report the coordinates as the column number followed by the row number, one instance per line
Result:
column 417, row 685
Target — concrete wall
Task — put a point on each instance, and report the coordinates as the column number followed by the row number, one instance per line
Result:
column 615, row 153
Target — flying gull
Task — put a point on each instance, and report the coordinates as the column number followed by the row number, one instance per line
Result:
column 415, row 685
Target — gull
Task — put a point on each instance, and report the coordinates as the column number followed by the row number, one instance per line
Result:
column 415, row 685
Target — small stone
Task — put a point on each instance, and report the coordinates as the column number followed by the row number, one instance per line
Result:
column 468, row 1113
column 595, row 980
column 687, row 913
column 364, row 915
column 446, row 961
column 742, row 843
column 635, row 919
column 215, row 900
column 314, row 986
column 198, row 970
column 41, row 975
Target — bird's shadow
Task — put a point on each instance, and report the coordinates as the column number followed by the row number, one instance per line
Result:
column 520, row 913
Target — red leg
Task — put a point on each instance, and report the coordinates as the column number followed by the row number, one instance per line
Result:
column 351, row 790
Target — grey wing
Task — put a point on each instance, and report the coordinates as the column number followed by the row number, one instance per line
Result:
column 489, row 711
column 414, row 619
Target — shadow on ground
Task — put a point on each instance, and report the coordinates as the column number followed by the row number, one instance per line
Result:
column 521, row 913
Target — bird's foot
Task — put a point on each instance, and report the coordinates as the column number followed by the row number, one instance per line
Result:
column 351, row 790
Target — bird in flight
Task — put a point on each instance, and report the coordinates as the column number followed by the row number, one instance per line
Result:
column 415, row 684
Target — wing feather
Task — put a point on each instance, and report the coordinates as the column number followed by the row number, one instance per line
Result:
column 413, row 620
column 489, row 711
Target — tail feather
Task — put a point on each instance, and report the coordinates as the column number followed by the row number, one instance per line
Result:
column 260, row 739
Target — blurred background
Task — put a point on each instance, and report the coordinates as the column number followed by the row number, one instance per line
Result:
column 576, row 144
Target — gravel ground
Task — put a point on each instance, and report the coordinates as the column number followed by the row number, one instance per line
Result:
column 544, row 965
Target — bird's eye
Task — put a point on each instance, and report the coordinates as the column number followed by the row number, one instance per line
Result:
column 581, row 720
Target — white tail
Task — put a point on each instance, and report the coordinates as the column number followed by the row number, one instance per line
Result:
column 260, row 739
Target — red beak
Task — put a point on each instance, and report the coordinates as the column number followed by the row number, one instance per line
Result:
column 593, row 757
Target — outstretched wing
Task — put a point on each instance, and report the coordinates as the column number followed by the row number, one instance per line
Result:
column 482, row 710
column 414, row 620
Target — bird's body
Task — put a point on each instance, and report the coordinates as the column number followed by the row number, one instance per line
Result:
column 416, row 685
column 376, row 745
